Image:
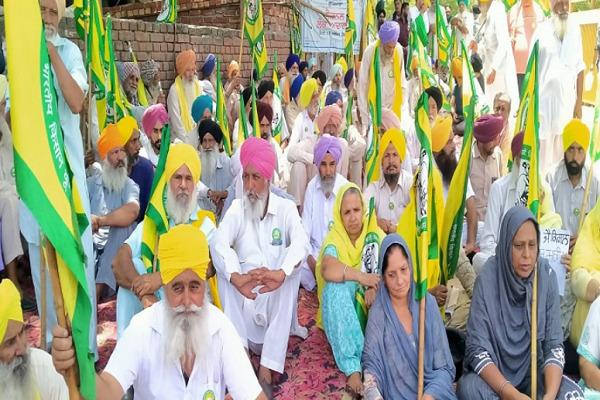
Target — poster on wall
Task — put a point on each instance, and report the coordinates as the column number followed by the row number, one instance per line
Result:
column 320, row 35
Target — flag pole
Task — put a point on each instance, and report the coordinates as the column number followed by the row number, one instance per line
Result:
column 44, row 304
column 71, row 373
column 534, row 335
column 243, row 12
column 593, row 150
column 88, row 139
column 421, row 365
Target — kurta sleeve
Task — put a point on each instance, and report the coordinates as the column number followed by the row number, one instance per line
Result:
column 491, row 226
column 363, row 85
column 175, row 115
column 296, row 239
column 552, row 344
column 225, row 238
column 477, row 352
column 503, row 50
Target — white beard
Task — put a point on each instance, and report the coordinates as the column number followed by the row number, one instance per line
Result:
column 16, row 380
column 188, row 89
column 208, row 159
column 180, row 209
column 254, row 207
column 560, row 26
column 114, row 179
column 186, row 332
column 327, row 185
column 51, row 34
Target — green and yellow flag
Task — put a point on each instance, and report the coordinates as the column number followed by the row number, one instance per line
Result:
column 595, row 140
column 81, row 15
column 43, row 176
column 141, row 90
column 253, row 29
column 221, row 114
column 277, row 126
column 255, row 120
column 444, row 40
column 544, row 4
column 243, row 132
column 95, row 59
column 168, row 13
column 116, row 105
column 295, row 35
column 369, row 30
column 156, row 221
column 374, row 102
column 454, row 211
column 528, row 184
column 350, row 34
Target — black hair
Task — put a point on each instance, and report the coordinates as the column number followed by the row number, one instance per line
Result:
column 384, row 264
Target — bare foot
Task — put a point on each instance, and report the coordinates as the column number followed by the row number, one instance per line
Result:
column 354, row 383
column 264, row 375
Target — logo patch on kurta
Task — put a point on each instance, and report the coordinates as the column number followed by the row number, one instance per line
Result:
column 209, row 395
column 276, row 237
column 330, row 225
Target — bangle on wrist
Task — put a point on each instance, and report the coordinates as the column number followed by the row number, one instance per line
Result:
column 506, row 382
column 344, row 275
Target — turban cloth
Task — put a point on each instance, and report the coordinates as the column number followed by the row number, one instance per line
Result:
column 389, row 32
column 457, row 68
column 488, row 127
column 183, row 154
column 302, row 66
column 201, row 104
column 209, row 65
column 291, row 60
column 348, row 77
column 333, row 97
column 231, row 68
column 296, row 85
column 110, row 138
column 576, row 132
column 181, row 248
column 320, row 75
column 210, row 126
column 128, row 69
column 436, row 93
column 312, row 62
column 263, row 110
column 336, row 69
column 327, row 144
column 126, row 126
column 258, row 153
column 308, row 89
column 148, row 70
column 440, row 133
column 155, row 114
column 380, row 7
column 10, row 306
column 396, row 138
column 517, row 145
column 185, row 60
column 247, row 95
column 329, row 115
column 389, row 119
column 60, row 10
column 264, row 87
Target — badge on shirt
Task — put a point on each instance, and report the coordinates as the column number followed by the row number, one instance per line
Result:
column 209, row 395
column 391, row 205
column 276, row 237
column 391, row 74
column 330, row 225
column 576, row 212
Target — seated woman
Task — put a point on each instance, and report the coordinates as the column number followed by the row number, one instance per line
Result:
column 498, row 351
column 344, row 269
column 390, row 357
column 589, row 353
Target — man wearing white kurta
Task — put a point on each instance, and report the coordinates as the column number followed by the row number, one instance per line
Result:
column 560, row 79
column 257, row 260
column 317, row 213
column 494, row 47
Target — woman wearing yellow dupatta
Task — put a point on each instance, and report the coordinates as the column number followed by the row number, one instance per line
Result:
column 585, row 271
column 351, row 244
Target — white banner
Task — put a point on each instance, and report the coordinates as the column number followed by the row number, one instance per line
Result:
column 320, row 36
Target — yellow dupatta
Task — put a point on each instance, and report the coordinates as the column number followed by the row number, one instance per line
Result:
column 184, row 108
column 338, row 244
column 397, row 71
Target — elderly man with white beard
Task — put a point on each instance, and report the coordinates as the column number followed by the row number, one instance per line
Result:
column 114, row 200
column 256, row 262
column 560, row 81
column 196, row 352
column 25, row 373
column 139, row 289
column 216, row 171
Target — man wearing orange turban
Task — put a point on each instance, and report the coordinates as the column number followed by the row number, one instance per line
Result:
column 259, row 243
column 182, row 94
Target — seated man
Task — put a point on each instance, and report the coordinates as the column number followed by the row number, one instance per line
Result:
column 256, row 261
column 196, row 352
column 589, row 354
column 154, row 119
column 216, row 172
column 137, row 287
column 317, row 214
column 326, row 123
column 356, row 141
column 202, row 108
column 114, row 202
column 391, row 186
column 25, row 372
column 129, row 74
column 266, row 90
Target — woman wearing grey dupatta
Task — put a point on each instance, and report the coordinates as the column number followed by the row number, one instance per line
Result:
column 498, row 350
column 390, row 355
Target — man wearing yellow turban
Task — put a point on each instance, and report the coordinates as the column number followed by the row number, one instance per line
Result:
column 391, row 185
column 25, row 372
column 70, row 85
column 181, row 334
column 182, row 94
column 114, row 201
column 139, row 289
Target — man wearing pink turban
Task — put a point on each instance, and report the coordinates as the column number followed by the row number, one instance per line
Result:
column 154, row 119
column 256, row 262
column 182, row 94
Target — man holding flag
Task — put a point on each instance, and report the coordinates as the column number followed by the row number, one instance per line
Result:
column 70, row 83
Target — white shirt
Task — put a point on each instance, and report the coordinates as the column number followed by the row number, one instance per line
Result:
column 148, row 152
column 153, row 377
column 47, row 381
column 469, row 22
column 317, row 214
column 304, row 128
column 244, row 245
column 177, row 128
column 389, row 205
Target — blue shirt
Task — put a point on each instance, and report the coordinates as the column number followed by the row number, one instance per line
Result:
column 142, row 173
